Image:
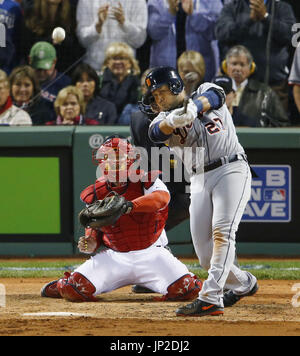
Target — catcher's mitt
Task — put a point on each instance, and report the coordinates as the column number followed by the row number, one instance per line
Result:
column 104, row 212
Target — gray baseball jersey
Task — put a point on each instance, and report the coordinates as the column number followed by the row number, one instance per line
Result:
column 214, row 131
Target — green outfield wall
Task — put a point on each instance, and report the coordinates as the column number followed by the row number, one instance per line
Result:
column 44, row 169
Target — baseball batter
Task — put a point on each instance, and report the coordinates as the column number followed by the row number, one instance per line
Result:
column 220, row 182
column 134, row 252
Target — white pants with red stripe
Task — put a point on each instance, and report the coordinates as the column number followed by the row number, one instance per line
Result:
column 154, row 267
column 215, row 213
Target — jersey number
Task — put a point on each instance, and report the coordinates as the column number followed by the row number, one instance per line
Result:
column 212, row 127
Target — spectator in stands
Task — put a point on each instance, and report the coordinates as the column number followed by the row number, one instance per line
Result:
column 10, row 115
column 43, row 59
column 41, row 18
column 255, row 103
column 100, row 22
column 247, row 22
column 102, row 111
column 176, row 26
column 70, row 107
column 25, row 93
column 294, row 81
column 226, row 83
column 119, row 78
column 129, row 109
column 10, row 45
column 191, row 68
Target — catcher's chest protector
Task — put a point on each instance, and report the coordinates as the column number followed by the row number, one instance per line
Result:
column 134, row 231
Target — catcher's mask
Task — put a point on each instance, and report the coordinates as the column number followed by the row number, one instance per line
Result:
column 156, row 78
column 115, row 156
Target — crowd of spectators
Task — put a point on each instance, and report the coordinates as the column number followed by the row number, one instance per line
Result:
column 95, row 76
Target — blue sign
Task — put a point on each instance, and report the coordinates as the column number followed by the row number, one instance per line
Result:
column 270, row 199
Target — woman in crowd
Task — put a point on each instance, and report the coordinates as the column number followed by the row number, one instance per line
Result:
column 70, row 107
column 10, row 115
column 98, row 109
column 119, row 77
column 25, row 93
column 191, row 68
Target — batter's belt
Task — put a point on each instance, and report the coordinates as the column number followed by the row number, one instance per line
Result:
column 224, row 160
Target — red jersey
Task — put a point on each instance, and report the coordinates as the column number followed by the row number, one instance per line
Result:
column 133, row 231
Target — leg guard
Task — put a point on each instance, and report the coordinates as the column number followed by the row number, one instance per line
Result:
column 50, row 290
column 185, row 288
column 76, row 288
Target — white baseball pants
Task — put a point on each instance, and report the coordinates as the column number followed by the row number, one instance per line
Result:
column 215, row 213
column 154, row 267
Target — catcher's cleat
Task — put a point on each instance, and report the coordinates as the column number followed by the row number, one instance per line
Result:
column 199, row 308
column 229, row 298
column 141, row 290
column 50, row 290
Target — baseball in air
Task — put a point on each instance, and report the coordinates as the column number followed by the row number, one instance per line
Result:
column 58, row 35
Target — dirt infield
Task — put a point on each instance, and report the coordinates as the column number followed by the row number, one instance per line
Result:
column 122, row 313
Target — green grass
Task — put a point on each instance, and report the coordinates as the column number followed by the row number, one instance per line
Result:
column 36, row 268
column 262, row 269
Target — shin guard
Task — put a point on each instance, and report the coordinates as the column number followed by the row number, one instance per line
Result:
column 76, row 288
column 185, row 288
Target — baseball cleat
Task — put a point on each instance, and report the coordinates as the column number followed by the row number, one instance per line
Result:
column 50, row 290
column 140, row 289
column 199, row 308
column 229, row 298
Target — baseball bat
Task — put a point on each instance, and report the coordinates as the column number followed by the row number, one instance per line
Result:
column 190, row 78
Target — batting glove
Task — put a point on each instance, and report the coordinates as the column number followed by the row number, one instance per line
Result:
column 180, row 118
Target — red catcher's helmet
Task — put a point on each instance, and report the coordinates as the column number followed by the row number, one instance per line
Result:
column 115, row 156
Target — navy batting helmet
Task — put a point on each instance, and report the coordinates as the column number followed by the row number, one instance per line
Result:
column 156, row 78
column 164, row 76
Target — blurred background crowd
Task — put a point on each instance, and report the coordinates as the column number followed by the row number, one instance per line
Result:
column 95, row 76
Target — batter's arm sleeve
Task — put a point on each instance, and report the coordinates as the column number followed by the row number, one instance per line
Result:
column 155, row 133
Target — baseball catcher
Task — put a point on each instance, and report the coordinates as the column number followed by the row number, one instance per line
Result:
column 127, row 218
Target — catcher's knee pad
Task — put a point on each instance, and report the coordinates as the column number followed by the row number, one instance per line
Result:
column 185, row 288
column 76, row 288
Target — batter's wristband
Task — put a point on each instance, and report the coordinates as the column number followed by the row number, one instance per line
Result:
column 199, row 105
column 157, row 135
column 213, row 99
